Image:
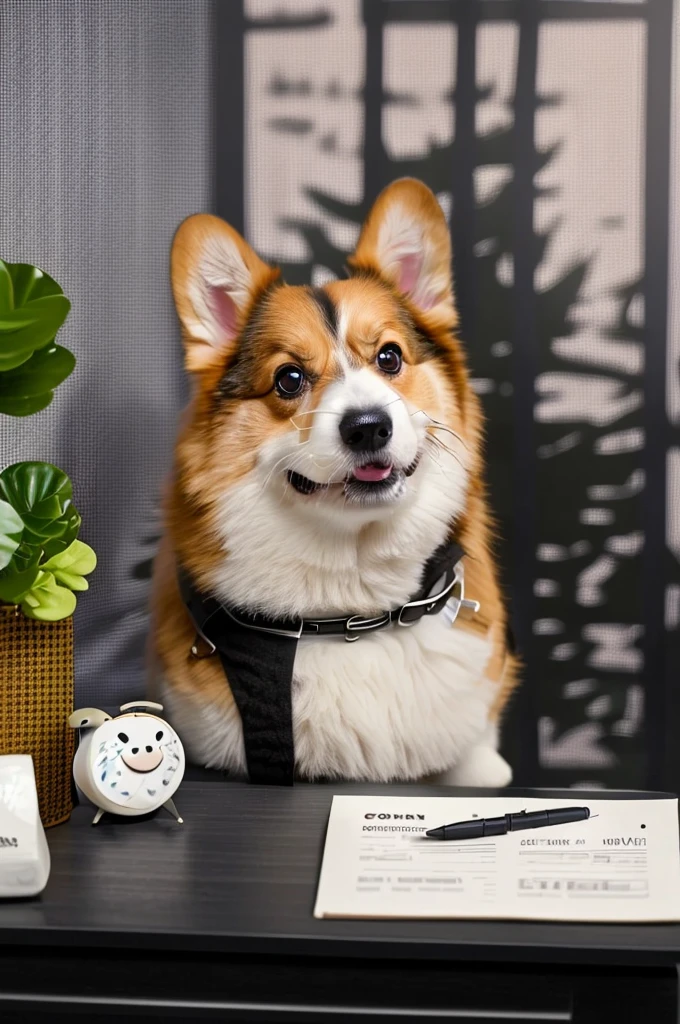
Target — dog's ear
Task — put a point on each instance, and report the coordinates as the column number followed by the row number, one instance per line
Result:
column 216, row 277
column 406, row 240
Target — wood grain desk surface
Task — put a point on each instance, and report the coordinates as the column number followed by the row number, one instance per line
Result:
column 240, row 876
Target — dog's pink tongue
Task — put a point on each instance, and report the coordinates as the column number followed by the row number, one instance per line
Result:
column 372, row 474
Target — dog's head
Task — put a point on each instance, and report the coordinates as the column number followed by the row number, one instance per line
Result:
column 344, row 405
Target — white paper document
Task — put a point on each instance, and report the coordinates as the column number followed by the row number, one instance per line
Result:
column 622, row 864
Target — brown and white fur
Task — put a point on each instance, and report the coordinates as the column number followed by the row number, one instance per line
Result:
column 412, row 703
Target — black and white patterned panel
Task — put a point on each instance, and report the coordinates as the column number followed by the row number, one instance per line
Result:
column 306, row 154
column 304, row 133
column 589, row 411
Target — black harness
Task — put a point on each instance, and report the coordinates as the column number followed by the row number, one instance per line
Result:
column 258, row 655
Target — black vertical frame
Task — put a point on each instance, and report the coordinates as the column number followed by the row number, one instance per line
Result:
column 525, row 365
column 229, row 85
column 463, row 170
column 375, row 160
column 662, row 712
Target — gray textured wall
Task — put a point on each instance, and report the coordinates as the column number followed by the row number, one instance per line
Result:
column 105, row 120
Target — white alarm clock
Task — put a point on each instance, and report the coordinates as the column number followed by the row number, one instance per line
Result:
column 131, row 764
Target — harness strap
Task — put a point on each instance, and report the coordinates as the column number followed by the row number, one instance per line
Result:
column 258, row 655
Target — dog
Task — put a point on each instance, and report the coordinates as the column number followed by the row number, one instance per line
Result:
column 332, row 445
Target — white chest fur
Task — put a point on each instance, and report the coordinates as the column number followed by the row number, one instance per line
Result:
column 402, row 704
column 283, row 558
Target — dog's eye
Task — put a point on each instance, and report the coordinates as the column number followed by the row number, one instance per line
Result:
column 389, row 358
column 123, row 737
column 289, row 381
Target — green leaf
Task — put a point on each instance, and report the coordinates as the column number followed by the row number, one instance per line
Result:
column 78, row 557
column 30, row 283
column 32, row 309
column 71, row 580
column 41, row 373
column 25, row 556
column 72, row 522
column 71, row 565
column 11, row 528
column 37, row 489
column 17, row 345
column 48, row 601
column 25, row 406
column 41, row 494
column 50, row 509
column 43, row 531
column 19, row 576
column 12, row 320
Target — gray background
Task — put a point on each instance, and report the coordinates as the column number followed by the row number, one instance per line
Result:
column 105, row 120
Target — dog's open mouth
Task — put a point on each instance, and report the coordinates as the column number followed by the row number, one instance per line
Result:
column 372, row 480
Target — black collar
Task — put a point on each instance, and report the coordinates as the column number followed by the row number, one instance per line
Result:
column 258, row 653
column 210, row 617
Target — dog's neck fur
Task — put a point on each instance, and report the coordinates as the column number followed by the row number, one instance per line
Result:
column 282, row 562
column 272, row 556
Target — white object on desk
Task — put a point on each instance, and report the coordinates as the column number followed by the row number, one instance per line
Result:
column 622, row 864
column 24, row 854
column 131, row 764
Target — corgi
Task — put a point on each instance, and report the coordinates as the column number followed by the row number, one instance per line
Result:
column 332, row 445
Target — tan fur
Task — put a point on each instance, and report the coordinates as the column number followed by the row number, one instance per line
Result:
column 219, row 443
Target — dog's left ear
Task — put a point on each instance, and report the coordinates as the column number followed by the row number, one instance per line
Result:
column 406, row 240
column 216, row 277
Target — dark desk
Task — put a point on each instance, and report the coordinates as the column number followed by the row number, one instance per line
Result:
column 212, row 920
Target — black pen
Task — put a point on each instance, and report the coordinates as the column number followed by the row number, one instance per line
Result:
column 480, row 827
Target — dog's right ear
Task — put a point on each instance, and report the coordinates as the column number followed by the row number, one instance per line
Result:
column 215, row 276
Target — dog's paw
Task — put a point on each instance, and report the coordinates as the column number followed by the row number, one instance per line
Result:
column 482, row 766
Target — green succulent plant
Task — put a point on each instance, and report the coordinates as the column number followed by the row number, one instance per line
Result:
column 32, row 309
column 42, row 562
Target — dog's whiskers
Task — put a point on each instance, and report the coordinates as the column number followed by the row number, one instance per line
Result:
column 292, row 467
column 433, row 454
column 339, row 466
column 337, row 463
column 438, row 425
column 388, row 404
column 440, row 445
column 448, row 430
column 343, row 467
column 332, row 412
column 312, row 412
column 283, row 458
column 437, row 445
column 294, row 461
column 438, row 466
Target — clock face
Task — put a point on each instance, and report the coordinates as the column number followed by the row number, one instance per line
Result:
column 136, row 761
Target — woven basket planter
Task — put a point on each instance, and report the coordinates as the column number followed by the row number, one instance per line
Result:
column 36, row 699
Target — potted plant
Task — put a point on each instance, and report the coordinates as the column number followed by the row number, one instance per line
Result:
column 43, row 564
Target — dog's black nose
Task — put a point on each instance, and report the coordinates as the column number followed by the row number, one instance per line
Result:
column 366, row 430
